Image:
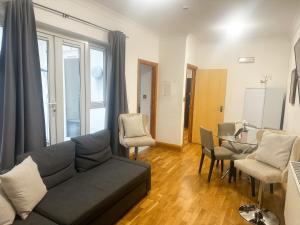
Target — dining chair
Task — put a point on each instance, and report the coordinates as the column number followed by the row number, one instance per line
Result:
column 138, row 141
column 211, row 151
column 225, row 129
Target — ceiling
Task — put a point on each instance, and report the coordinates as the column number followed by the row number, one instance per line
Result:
column 208, row 19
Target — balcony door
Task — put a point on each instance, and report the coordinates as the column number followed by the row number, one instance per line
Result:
column 73, row 80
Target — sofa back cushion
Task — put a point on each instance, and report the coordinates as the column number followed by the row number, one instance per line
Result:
column 56, row 163
column 92, row 150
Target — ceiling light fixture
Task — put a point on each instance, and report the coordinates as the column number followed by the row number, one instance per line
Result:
column 235, row 27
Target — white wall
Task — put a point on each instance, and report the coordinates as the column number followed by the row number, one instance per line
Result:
column 272, row 58
column 142, row 43
column 292, row 113
column 171, row 90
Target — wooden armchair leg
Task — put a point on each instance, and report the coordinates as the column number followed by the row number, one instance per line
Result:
column 272, row 188
column 136, row 152
column 222, row 166
column 231, row 171
column 252, row 181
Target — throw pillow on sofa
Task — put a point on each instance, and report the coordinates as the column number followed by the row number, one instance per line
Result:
column 92, row 150
column 24, row 187
column 275, row 149
column 7, row 212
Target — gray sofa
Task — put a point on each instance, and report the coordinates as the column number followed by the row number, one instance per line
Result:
column 86, row 183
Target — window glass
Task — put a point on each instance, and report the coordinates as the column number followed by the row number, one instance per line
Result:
column 43, row 53
column 1, row 34
column 97, row 75
column 71, row 64
column 97, row 90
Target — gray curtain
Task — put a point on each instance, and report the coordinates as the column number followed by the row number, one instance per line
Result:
column 22, row 123
column 117, row 96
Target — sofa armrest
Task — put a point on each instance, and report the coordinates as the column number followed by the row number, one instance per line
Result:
column 138, row 163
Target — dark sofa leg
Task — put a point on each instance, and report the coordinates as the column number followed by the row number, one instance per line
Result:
column 201, row 163
column 212, row 162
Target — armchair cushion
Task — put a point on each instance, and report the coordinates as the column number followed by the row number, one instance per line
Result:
column 259, row 170
column 133, row 125
column 275, row 149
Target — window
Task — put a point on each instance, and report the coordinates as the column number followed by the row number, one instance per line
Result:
column 74, row 86
column 97, row 89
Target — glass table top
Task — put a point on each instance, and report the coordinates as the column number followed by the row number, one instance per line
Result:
column 248, row 137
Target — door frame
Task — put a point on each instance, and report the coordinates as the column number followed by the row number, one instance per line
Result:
column 193, row 68
column 154, row 80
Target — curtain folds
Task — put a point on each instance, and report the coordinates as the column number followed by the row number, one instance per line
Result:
column 22, row 123
column 117, row 95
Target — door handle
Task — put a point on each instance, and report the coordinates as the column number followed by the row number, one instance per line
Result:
column 52, row 106
column 221, row 108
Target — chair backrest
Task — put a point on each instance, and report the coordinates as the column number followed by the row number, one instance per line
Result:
column 295, row 156
column 207, row 140
column 226, row 129
column 121, row 126
column 261, row 132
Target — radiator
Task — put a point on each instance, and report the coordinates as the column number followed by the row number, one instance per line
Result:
column 292, row 200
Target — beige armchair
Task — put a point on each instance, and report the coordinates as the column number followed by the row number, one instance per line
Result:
column 138, row 141
column 266, row 175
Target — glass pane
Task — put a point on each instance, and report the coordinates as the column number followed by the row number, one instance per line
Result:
column 71, row 64
column 43, row 53
column 97, row 119
column 1, row 34
column 97, row 75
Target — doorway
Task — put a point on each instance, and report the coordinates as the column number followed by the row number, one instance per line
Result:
column 147, row 92
column 189, row 103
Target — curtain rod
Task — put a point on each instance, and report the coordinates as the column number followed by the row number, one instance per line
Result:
column 67, row 16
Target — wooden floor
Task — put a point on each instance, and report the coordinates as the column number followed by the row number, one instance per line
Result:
column 180, row 196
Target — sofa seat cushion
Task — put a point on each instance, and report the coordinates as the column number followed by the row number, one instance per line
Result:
column 259, row 170
column 89, row 194
column 34, row 219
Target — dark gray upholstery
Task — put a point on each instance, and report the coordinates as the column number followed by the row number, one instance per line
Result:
column 89, row 194
column 34, row 219
column 56, row 163
column 97, row 196
column 92, row 150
